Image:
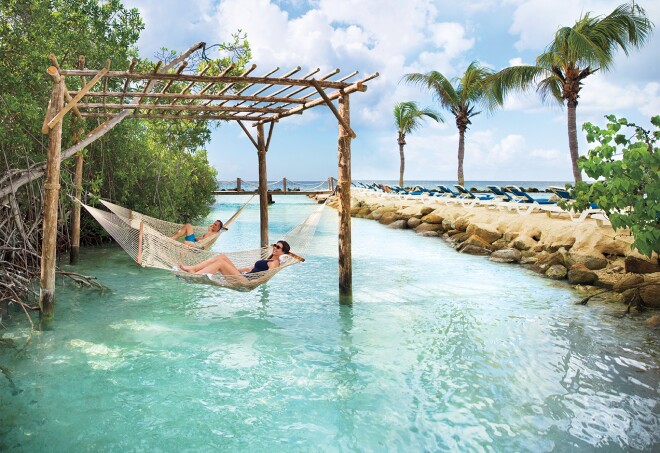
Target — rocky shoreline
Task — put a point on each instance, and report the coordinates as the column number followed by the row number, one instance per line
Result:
column 587, row 254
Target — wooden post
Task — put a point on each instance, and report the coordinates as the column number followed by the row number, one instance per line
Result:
column 330, row 183
column 344, row 193
column 75, row 215
column 284, row 184
column 238, row 184
column 51, row 196
column 263, row 184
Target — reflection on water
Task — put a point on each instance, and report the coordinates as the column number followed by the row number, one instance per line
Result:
column 439, row 352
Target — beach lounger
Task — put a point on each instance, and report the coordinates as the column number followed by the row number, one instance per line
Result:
column 575, row 216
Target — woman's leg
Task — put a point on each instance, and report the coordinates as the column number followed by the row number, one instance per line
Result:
column 220, row 264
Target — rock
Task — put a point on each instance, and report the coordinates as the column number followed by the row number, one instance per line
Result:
column 429, row 233
column 399, row 224
column 451, row 233
column 640, row 266
column 580, row 275
column 650, row 290
column 653, row 321
column 448, row 225
column 630, row 297
column 355, row 210
column 472, row 249
column 428, row 227
column 410, row 211
column 523, row 243
column 594, row 263
column 566, row 246
column 426, row 210
column 459, row 237
column 432, row 218
column 556, row 272
column 461, row 224
column 414, row 222
column 388, row 218
column 547, row 260
column 500, row 244
column 506, row 256
column 364, row 212
column 487, row 232
column 376, row 215
column 529, row 260
column 478, row 241
column 627, row 282
column 510, row 236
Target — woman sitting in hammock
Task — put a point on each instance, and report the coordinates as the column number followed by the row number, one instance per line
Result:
column 190, row 239
column 224, row 265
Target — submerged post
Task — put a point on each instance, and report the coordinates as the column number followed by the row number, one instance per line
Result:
column 344, row 194
column 51, row 195
column 238, row 184
column 75, row 214
column 263, row 184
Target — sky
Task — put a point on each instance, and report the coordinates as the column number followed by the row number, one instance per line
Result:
column 525, row 140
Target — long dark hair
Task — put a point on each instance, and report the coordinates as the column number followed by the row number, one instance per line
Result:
column 286, row 248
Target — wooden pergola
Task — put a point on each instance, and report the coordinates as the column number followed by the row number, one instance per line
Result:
column 246, row 99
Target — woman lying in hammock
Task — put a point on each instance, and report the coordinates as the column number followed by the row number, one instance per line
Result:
column 190, row 239
column 222, row 264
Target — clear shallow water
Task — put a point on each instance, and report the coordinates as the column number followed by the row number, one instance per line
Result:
column 440, row 352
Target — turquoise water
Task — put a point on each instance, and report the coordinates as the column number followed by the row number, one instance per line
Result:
column 439, row 352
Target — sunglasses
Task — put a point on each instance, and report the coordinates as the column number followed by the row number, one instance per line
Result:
column 277, row 246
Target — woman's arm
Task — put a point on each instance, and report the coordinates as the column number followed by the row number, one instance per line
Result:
column 273, row 264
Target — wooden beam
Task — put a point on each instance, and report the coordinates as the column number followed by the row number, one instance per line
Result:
column 67, row 96
column 153, row 77
column 270, row 134
column 191, row 117
column 344, row 194
column 79, row 96
column 51, row 197
column 256, row 145
column 184, row 108
column 333, row 109
column 199, row 97
column 75, row 207
column 126, row 83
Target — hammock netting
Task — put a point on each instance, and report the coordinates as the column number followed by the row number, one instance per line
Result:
column 152, row 248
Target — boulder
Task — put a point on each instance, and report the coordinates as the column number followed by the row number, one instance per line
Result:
column 510, row 236
column 459, row 237
column 414, row 222
column 428, row 227
column 364, row 212
column 506, row 256
column 426, row 210
column 529, row 260
column 650, row 290
column 376, row 215
column 461, row 224
column 653, row 321
column 523, row 243
column 401, row 224
column 471, row 249
column 452, row 232
column 429, row 233
column 500, row 244
column 448, row 224
column 593, row 263
column 388, row 217
column 547, row 260
column 566, row 245
column 485, row 231
column 640, row 266
column 410, row 211
column 580, row 275
column 627, row 282
column 432, row 218
column 556, row 272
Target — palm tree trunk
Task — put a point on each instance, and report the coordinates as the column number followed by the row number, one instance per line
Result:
column 402, row 142
column 461, row 154
column 572, row 140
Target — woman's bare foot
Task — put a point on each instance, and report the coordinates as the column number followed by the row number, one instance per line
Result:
column 184, row 268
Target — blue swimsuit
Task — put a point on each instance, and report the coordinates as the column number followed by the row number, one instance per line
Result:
column 260, row 266
column 190, row 238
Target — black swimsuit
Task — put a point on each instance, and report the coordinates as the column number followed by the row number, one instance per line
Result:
column 260, row 266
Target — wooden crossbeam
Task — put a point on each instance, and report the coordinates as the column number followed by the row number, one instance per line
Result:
column 130, row 69
column 183, row 108
column 328, row 102
column 152, row 77
column 172, row 116
column 205, row 97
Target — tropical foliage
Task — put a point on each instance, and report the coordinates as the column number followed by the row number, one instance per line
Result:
column 158, row 167
column 461, row 96
column 626, row 164
column 407, row 118
column 575, row 53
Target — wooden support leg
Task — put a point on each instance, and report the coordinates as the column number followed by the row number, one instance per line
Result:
column 344, row 193
column 75, row 215
column 263, row 184
column 51, row 196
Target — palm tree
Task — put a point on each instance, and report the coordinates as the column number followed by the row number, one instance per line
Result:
column 461, row 100
column 575, row 53
column 407, row 117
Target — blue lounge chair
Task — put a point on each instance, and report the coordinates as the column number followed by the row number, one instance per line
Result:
column 467, row 194
column 527, row 198
column 447, row 191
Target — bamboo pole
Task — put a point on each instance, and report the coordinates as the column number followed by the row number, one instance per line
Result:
column 333, row 109
column 51, row 195
column 75, row 215
column 263, row 185
column 344, row 193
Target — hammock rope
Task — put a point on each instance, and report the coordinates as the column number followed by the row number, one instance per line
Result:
column 149, row 247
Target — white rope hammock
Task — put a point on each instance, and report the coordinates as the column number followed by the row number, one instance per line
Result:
column 169, row 228
column 150, row 248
